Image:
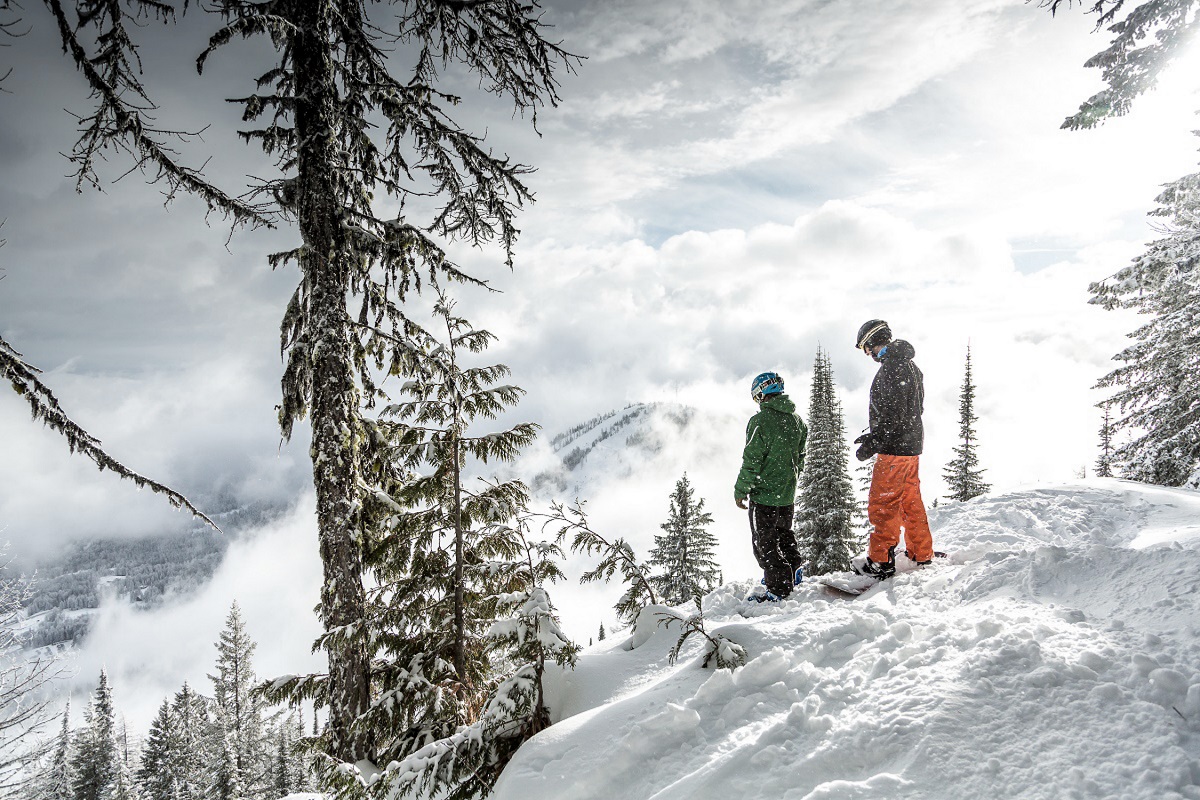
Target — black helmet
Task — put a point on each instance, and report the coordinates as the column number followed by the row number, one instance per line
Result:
column 873, row 332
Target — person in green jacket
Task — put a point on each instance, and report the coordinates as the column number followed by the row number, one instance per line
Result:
column 771, row 464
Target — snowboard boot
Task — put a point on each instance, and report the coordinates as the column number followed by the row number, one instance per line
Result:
column 880, row 570
column 761, row 594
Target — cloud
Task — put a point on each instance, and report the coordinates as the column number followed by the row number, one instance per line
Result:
column 592, row 328
column 274, row 576
column 207, row 430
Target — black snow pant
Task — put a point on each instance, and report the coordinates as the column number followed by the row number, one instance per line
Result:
column 775, row 546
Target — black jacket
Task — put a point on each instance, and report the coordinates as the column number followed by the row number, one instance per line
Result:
column 897, row 402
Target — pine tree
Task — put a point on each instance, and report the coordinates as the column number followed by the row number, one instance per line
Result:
column 1158, row 381
column 227, row 783
column 350, row 138
column 298, row 761
column 156, row 775
column 602, row 635
column 437, row 537
column 1104, row 461
column 866, row 471
column 94, row 763
column 827, row 504
column 192, row 751
column 447, row 397
column 685, row 552
column 239, row 708
column 616, row 555
column 56, row 781
column 962, row 474
column 282, row 782
column 467, row 763
column 123, row 786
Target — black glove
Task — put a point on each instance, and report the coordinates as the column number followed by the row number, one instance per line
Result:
column 866, row 447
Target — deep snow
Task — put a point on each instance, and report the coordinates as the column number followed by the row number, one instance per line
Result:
column 1054, row 656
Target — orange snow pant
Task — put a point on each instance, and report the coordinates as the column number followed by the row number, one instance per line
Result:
column 895, row 503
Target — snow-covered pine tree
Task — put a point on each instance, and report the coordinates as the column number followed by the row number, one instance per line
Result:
column 532, row 637
column 962, row 474
column 1159, row 377
column 299, row 761
column 226, row 782
column 441, row 533
column 467, row 763
column 94, row 762
column 447, row 397
column 122, row 786
column 602, row 635
column 54, row 782
column 353, row 141
column 684, row 553
column 282, row 782
column 156, row 774
column 195, row 747
column 1157, row 381
column 827, row 508
column 238, row 708
column 437, row 540
column 726, row 653
column 1104, row 460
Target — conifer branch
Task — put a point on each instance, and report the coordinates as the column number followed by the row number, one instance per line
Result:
column 44, row 406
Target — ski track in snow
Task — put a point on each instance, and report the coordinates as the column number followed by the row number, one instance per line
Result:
column 1054, row 656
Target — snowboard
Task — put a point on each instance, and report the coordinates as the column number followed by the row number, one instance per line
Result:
column 852, row 584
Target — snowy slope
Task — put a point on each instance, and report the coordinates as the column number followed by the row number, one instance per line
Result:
column 1055, row 656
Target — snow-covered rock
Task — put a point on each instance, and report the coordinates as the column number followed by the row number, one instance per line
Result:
column 1055, row 655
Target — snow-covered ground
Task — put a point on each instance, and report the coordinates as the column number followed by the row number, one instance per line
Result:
column 1056, row 655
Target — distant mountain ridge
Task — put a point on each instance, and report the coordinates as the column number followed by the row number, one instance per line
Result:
column 615, row 444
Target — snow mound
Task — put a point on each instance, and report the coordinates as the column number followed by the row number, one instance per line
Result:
column 1053, row 656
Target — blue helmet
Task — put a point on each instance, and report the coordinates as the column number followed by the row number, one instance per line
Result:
column 765, row 384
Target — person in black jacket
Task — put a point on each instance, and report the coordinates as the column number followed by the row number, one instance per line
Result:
column 897, row 437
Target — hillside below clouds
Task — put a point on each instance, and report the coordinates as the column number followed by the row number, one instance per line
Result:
column 1056, row 655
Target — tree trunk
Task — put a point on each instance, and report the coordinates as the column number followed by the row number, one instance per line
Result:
column 460, row 632
column 334, row 403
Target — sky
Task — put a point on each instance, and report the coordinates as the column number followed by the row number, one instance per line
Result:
column 723, row 189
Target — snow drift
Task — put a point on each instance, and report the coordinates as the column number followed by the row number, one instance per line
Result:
column 1054, row 656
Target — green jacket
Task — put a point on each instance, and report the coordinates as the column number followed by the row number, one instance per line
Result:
column 774, row 453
